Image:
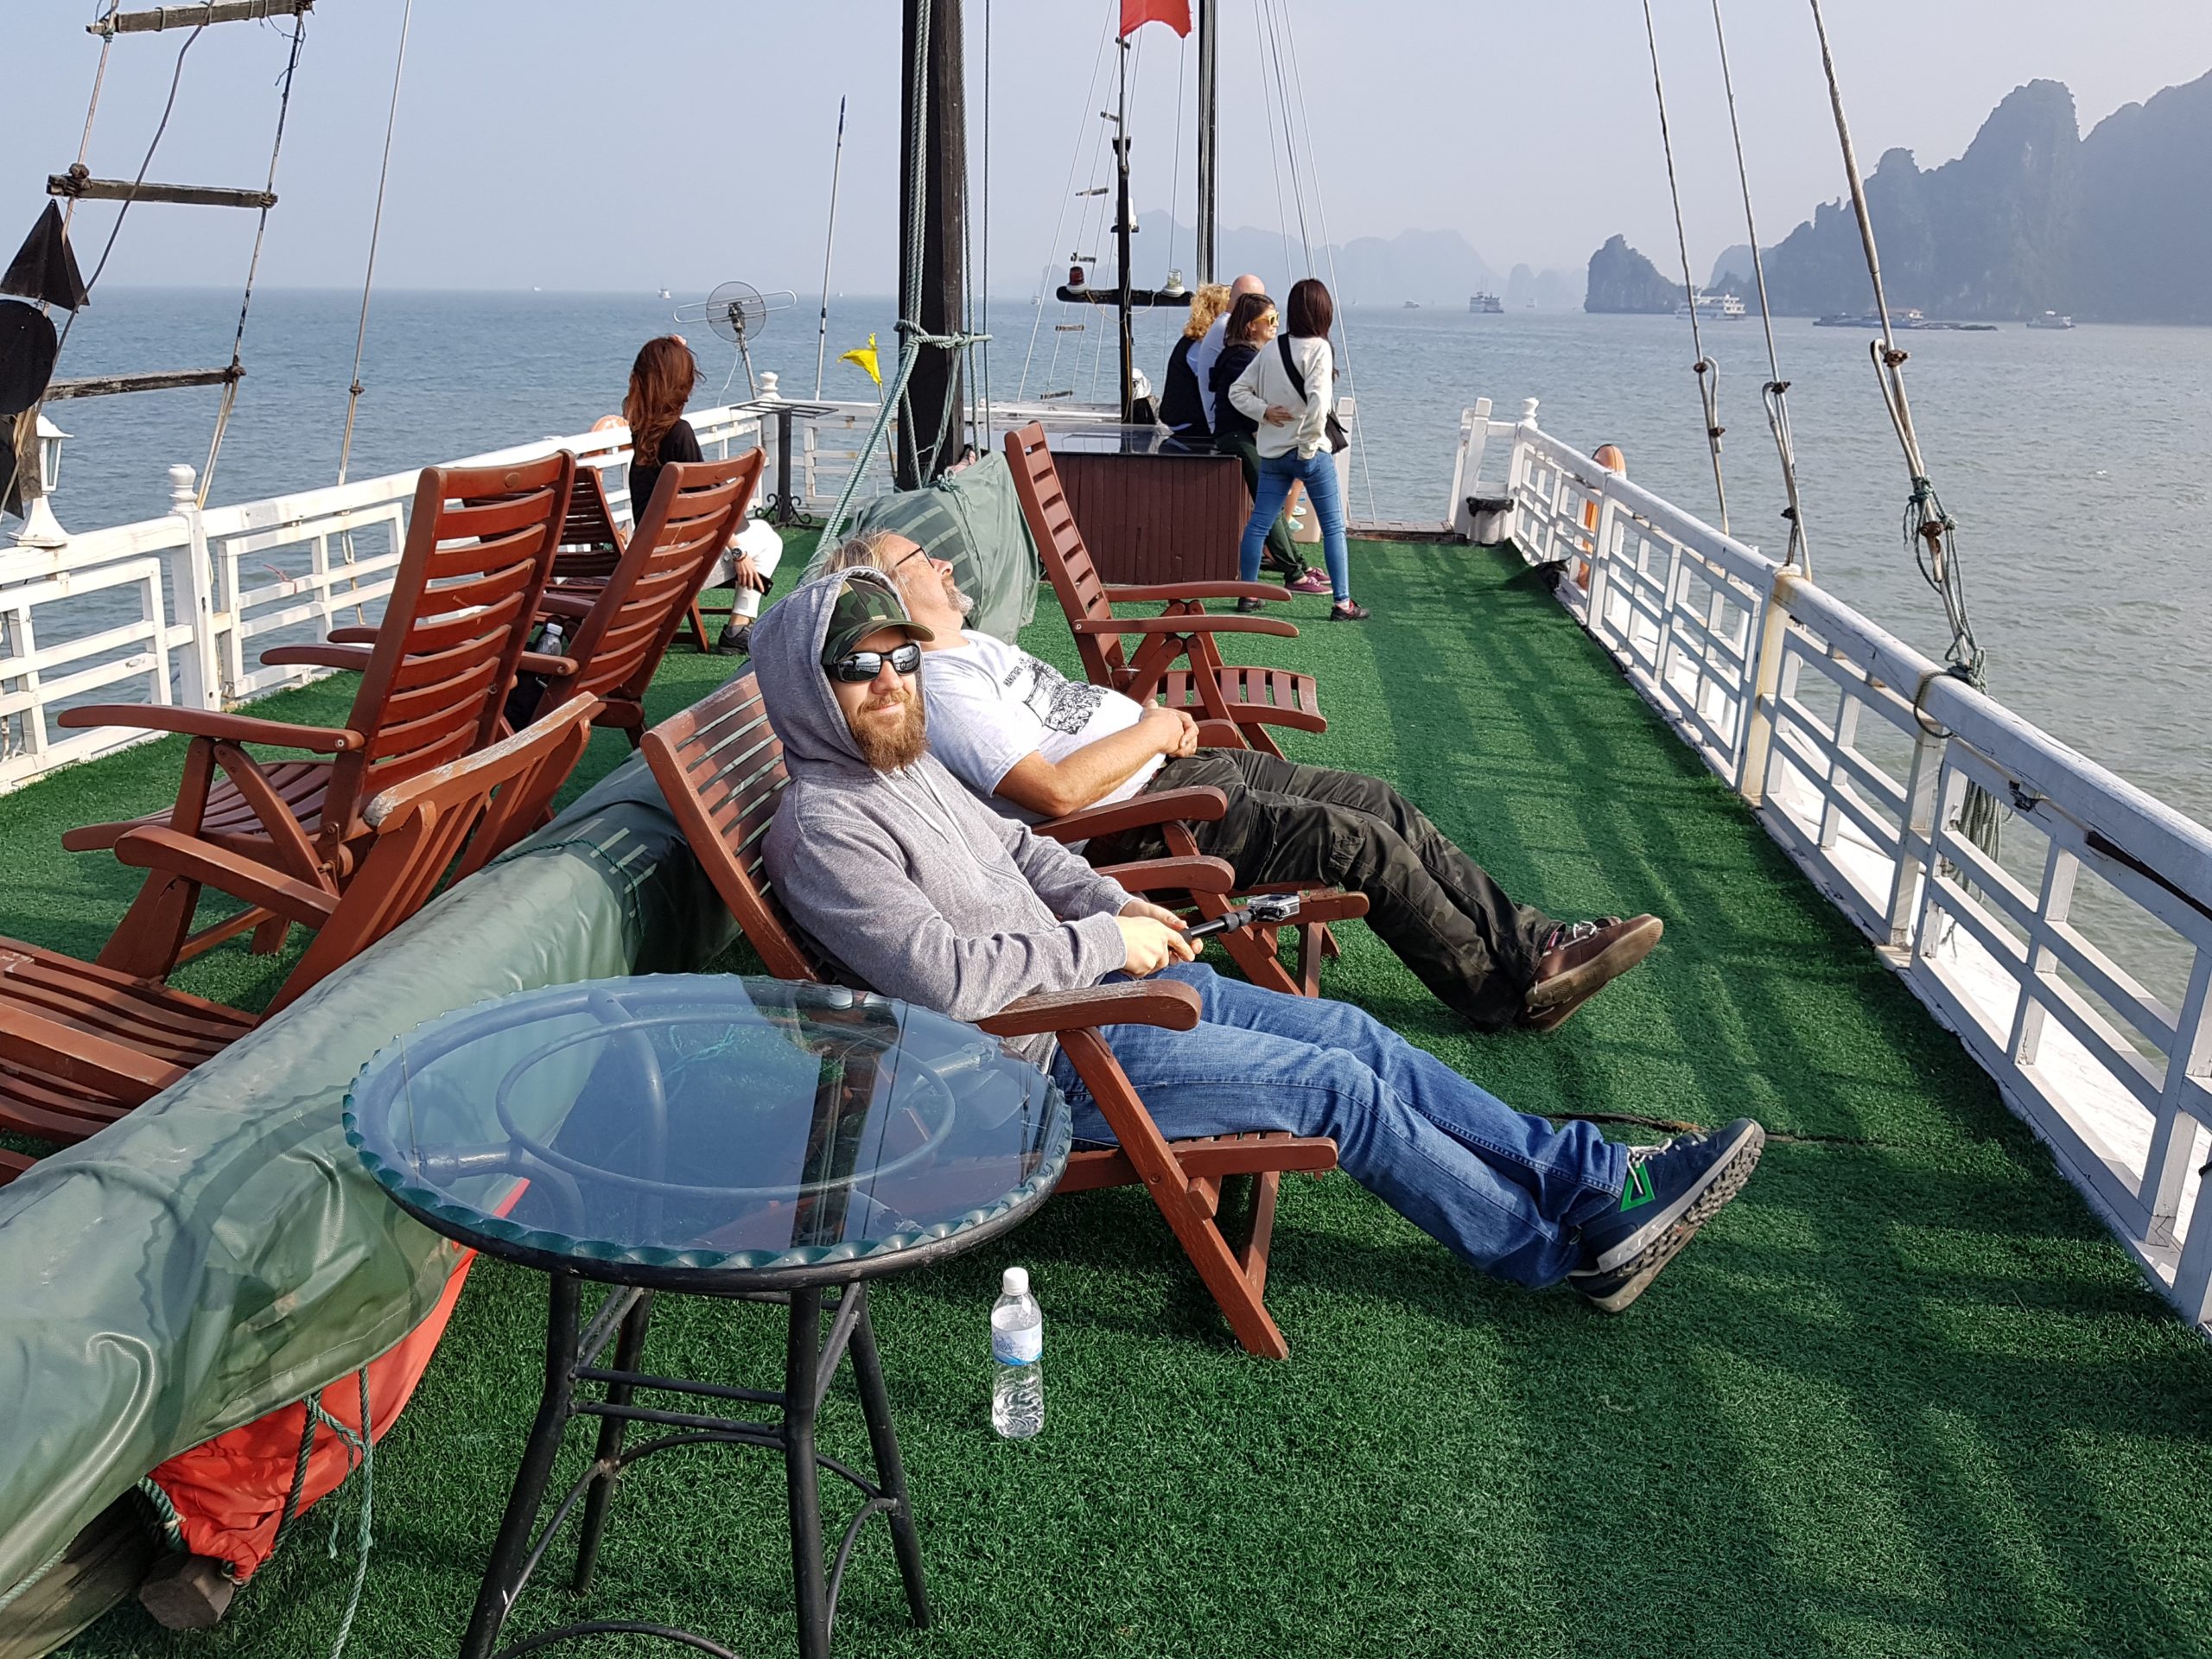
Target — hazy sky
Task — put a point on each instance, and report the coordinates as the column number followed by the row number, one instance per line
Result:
column 678, row 143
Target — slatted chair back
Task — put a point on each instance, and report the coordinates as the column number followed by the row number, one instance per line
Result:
column 721, row 764
column 591, row 541
column 1075, row 578
column 478, row 549
column 697, row 507
column 455, row 817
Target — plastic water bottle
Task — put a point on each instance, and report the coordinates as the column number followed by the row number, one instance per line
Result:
column 1018, row 1356
column 548, row 639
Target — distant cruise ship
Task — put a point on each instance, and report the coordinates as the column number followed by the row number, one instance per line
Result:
column 1722, row 308
column 1487, row 305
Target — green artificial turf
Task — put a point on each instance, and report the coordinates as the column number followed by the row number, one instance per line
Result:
column 1905, row 1397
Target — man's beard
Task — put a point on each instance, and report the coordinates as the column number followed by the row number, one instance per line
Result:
column 965, row 602
column 900, row 746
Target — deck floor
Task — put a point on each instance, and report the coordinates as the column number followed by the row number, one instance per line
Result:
column 1905, row 1397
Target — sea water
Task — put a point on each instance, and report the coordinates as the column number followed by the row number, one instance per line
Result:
column 2074, row 462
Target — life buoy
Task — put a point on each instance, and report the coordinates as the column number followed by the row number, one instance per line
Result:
column 1609, row 456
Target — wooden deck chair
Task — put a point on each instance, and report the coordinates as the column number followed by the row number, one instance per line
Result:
column 619, row 626
column 1249, row 699
column 618, row 639
column 591, row 541
column 80, row 1045
column 478, row 552
column 720, row 766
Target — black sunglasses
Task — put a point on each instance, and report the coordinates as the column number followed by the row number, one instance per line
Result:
column 864, row 665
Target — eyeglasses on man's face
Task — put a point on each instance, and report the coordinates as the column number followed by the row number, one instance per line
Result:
column 864, row 665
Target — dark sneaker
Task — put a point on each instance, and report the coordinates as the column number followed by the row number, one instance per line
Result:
column 1246, row 607
column 1672, row 1189
column 1579, row 958
column 1349, row 610
column 736, row 640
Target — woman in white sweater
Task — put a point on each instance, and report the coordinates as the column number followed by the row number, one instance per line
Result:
column 1293, row 436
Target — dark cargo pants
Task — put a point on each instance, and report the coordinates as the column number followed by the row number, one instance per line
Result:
column 1435, row 906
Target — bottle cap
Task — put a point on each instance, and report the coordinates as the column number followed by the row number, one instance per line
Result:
column 1016, row 1282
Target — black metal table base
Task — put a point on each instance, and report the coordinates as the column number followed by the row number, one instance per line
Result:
column 811, row 1360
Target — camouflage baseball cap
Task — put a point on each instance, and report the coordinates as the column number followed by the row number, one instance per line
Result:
column 863, row 608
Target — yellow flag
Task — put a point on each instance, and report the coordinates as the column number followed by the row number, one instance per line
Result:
column 865, row 356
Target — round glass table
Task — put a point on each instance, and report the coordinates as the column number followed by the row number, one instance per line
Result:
column 751, row 1139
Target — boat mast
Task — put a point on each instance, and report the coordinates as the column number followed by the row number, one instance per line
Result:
column 1122, row 230
column 1207, row 10
column 939, row 175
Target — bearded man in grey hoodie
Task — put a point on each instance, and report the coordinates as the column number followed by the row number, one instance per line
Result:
column 915, row 889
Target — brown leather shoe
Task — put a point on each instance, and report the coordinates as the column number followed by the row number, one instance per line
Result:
column 1579, row 958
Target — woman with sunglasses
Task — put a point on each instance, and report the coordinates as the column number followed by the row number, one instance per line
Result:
column 1251, row 328
column 1288, row 393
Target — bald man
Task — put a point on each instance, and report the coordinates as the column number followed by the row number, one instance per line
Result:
column 1204, row 354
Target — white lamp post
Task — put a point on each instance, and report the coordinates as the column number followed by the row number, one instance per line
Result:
column 40, row 529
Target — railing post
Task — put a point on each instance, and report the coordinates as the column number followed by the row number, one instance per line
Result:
column 1766, row 686
column 199, row 684
column 1467, row 466
column 1916, row 834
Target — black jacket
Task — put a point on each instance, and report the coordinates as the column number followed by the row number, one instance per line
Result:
column 1229, row 421
column 1179, row 405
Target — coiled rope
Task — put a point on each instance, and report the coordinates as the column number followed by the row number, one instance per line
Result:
column 1707, row 371
column 1776, row 392
column 1929, row 530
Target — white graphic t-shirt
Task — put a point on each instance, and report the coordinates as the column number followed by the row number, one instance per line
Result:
column 992, row 704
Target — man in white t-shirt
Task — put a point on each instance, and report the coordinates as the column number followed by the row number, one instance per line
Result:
column 1038, row 745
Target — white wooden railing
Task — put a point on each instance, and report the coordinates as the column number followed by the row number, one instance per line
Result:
column 1856, row 751
column 180, row 608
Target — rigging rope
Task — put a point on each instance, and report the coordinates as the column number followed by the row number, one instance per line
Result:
column 1707, row 371
column 253, row 263
column 369, row 275
column 1060, row 221
column 1776, row 393
column 1267, row 108
column 176, row 79
column 1289, row 139
column 1930, row 530
column 84, row 143
column 1328, row 247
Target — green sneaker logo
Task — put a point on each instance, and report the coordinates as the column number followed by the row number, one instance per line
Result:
column 1637, row 1191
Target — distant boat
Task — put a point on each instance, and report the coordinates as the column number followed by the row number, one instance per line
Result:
column 1716, row 308
column 1411, row 305
column 1486, row 305
column 665, row 295
column 2050, row 320
column 1905, row 320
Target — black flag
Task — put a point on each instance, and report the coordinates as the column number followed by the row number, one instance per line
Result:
column 44, row 269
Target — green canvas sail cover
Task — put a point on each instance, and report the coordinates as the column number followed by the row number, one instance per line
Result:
column 219, row 1251
column 972, row 518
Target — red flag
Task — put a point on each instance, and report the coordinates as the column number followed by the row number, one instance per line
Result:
column 1135, row 14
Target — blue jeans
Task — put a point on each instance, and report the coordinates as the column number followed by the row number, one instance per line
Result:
column 1318, row 474
column 1505, row 1192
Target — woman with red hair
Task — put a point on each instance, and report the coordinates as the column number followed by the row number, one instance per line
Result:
column 660, row 385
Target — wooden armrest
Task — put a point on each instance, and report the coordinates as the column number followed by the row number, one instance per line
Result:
column 157, row 848
column 101, row 1063
column 1175, row 874
column 213, row 723
column 1188, row 622
column 1169, row 1004
column 553, row 668
column 1139, row 811
column 560, row 604
column 1175, row 592
column 351, row 634
column 1221, row 734
column 326, row 655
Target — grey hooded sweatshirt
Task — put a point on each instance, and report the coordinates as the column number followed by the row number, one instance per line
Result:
column 917, row 889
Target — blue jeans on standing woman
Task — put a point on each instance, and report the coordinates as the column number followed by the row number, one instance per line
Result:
column 1504, row 1191
column 1318, row 473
